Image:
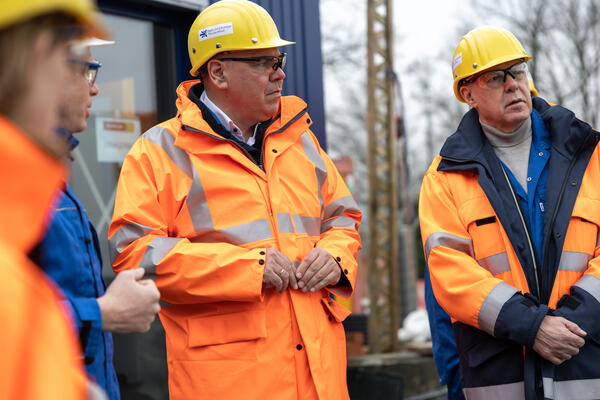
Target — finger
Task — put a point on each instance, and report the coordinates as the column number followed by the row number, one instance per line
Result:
column 318, row 277
column 306, row 263
column 320, row 274
column 324, row 282
column 283, row 274
column 276, row 281
column 573, row 327
column 138, row 273
column 292, row 276
column 316, row 266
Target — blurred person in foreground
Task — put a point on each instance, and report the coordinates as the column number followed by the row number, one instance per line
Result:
column 70, row 252
column 39, row 355
column 509, row 217
column 444, row 349
column 246, row 222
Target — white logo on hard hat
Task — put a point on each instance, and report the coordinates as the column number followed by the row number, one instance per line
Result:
column 456, row 61
column 215, row 31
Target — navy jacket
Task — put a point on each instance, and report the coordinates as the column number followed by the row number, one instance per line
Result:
column 500, row 357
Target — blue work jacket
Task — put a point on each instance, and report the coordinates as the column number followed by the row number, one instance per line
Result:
column 70, row 255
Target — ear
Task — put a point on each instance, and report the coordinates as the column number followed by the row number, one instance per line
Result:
column 216, row 73
column 467, row 95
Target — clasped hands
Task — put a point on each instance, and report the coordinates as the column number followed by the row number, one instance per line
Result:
column 317, row 270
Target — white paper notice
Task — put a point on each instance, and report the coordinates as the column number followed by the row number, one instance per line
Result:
column 114, row 137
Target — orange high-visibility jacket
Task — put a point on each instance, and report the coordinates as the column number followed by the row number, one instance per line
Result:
column 194, row 208
column 39, row 353
column 483, row 267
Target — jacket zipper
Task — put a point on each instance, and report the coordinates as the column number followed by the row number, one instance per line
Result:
column 283, row 128
column 527, row 234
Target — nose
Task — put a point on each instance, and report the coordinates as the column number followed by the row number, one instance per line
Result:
column 94, row 90
column 277, row 75
column 510, row 83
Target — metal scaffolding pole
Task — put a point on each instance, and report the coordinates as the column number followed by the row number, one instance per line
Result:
column 383, row 193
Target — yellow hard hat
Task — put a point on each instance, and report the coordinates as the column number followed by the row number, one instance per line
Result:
column 483, row 48
column 16, row 11
column 231, row 25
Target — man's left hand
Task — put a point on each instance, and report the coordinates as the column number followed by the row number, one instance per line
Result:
column 317, row 270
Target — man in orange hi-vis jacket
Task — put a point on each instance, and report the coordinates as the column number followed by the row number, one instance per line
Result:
column 510, row 217
column 245, row 221
column 39, row 353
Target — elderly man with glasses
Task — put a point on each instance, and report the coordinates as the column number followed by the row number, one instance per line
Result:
column 510, row 217
column 245, row 221
column 70, row 253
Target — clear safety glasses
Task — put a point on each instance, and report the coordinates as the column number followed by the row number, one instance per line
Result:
column 496, row 78
column 89, row 69
column 274, row 62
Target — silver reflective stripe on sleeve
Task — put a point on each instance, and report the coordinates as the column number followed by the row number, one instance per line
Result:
column 590, row 284
column 248, row 232
column 313, row 155
column 493, row 303
column 196, row 199
column 308, row 225
column 573, row 261
column 339, row 222
column 156, row 251
column 581, row 389
column 125, row 235
column 496, row 264
column 163, row 138
column 197, row 206
column 340, row 205
column 285, row 223
column 512, row 391
column 448, row 240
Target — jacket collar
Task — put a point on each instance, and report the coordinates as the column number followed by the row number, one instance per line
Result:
column 190, row 115
column 292, row 113
column 567, row 133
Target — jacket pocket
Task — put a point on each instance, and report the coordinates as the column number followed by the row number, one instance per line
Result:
column 582, row 232
column 483, row 226
column 485, row 360
column 335, row 310
column 227, row 328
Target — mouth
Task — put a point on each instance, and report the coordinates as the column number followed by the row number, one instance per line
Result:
column 274, row 92
column 515, row 102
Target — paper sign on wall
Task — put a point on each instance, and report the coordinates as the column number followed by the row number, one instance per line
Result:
column 114, row 137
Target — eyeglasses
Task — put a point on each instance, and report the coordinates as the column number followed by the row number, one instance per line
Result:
column 274, row 62
column 496, row 78
column 88, row 69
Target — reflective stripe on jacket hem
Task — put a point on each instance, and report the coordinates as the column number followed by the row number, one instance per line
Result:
column 581, row 389
column 512, row 391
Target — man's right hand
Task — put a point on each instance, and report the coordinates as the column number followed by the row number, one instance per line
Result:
column 558, row 339
column 279, row 271
column 130, row 303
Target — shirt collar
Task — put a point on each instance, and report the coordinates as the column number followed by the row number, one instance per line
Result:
column 225, row 121
column 72, row 140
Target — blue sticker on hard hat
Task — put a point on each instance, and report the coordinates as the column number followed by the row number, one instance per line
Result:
column 215, row 31
column 456, row 61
